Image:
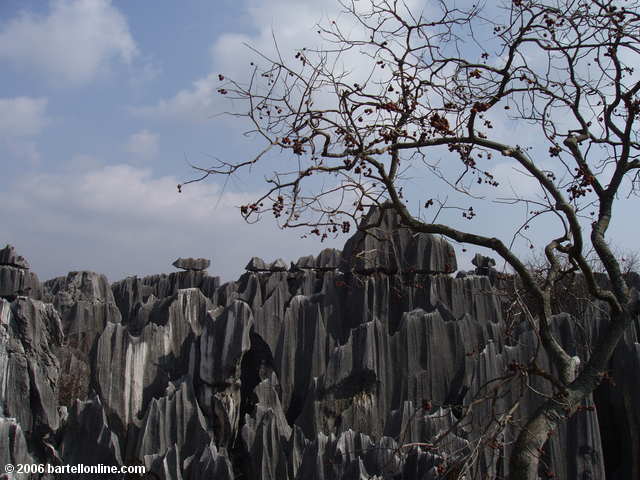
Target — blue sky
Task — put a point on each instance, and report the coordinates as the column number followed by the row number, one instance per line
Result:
column 102, row 101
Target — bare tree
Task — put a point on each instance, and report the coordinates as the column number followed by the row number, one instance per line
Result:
column 429, row 96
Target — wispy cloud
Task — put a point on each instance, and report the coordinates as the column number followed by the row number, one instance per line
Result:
column 122, row 220
column 143, row 145
column 73, row 44
column 287, row 23
column 22, row 116
column 23, row 150
column 82, row 162
column 292, row 22
column 191, row 104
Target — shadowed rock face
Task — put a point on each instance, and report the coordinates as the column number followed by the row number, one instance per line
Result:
column 86, row 305
column 192, row 263
column 87, row 420
column 30, row 331
column 328, row 370
column 256, row 264
column 388, row 247
column 13, row 445
column 15, row 277
column 9, row 257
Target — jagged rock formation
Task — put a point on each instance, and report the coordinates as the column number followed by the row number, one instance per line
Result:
column 390, row 248
column 30, row 331
column 13, row 445
column 8, row 256
column 256, row 264
column 196, row 264
column 373, row 362
column 86, row 420
column 15, row 277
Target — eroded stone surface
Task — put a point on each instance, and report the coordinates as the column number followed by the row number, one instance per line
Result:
column 8, row 256
column 345, row 366
column 87, row 421
column 13, row 446
column 16, row 281
column 192, row 263
column 382, row 244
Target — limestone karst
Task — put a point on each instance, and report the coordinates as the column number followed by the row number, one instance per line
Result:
column 323, row 370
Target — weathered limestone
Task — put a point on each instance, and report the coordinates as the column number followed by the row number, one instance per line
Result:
column 163, row 285
column 86, row 436
column 30, row 331
column 195, row 264
column 16, row 281
column 348, row 365
column 129, row 370
column 174, row 419
column 256, row 264
column 86, row 305
column 211, row 463
column 15, row 277
column 383, row 245
column 328, row 259
column 223, row 344
column 37, row 327
column 129, row 294
column 13, row 446
column 8, row 256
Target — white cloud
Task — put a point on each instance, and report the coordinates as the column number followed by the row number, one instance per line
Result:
column 81, row 162
column 73, row 44
column 143, row 145
column 22, row 116
column 20, row 119
column 122, row 220
column 149, row 69
column 190, row 104
column 24, row 150
column 291, row 22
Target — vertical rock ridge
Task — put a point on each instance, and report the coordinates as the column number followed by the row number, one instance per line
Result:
column 348, row 365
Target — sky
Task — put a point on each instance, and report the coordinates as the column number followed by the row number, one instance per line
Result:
column 103, row 106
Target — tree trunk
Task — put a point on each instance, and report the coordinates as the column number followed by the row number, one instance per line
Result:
column 525, row 457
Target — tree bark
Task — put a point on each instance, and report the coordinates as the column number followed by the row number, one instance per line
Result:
column 525, row 457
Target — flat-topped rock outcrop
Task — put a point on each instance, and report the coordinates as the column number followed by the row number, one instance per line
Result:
column 386, row 246
column 196, row 264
